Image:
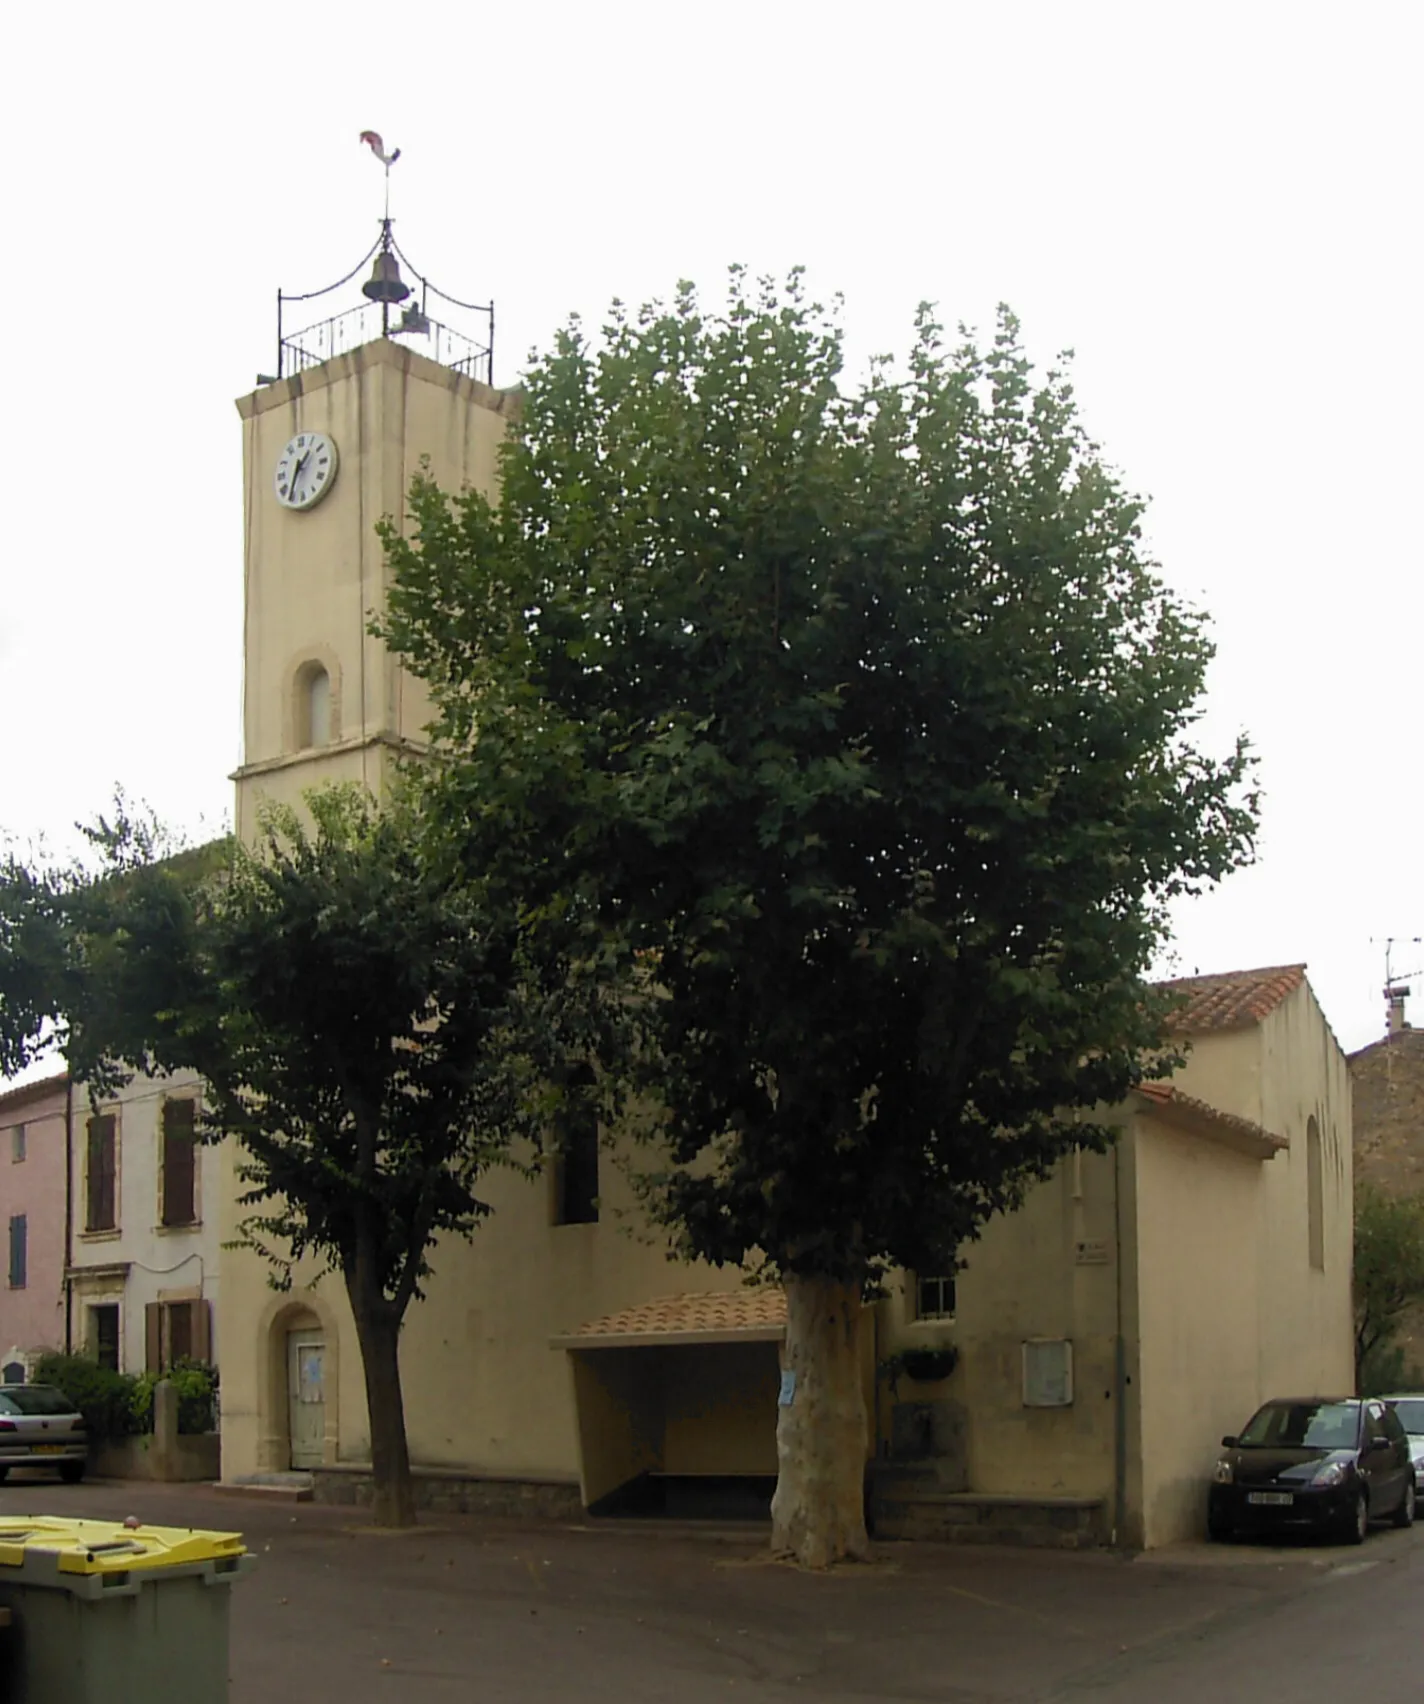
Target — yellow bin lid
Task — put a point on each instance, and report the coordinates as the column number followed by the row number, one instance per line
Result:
column 108, row 1547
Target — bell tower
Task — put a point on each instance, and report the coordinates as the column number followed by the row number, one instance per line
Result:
column 331, row 442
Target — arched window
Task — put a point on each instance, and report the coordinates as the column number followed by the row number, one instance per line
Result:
column 1315, row 1194
column 313, row 706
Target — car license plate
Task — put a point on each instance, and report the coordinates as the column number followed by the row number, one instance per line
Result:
column 1275, row 1499
column 49, row 1449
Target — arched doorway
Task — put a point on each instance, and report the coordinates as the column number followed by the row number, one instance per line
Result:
column 298, row 1404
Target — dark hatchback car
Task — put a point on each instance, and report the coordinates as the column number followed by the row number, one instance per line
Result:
column 1324, row 1464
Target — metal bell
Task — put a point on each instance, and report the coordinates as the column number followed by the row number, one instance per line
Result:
column 385, row 283
column 415, row 322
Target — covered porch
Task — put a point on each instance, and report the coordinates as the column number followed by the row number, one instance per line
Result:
column 675, row 1402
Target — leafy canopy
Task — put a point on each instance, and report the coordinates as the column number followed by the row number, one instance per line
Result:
column 345, row 1002
column 1389, row 1267
column 861, row 715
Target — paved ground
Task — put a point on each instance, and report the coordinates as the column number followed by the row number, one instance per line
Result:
column 471, row 1609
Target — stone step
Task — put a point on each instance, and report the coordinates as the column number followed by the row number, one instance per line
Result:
column 276, row 1487
column 968, row 1517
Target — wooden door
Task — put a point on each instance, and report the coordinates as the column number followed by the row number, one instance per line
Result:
column 306, row 1396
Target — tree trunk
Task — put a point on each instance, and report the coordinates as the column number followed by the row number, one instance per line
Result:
column 392, row 1494
column 818, row 1512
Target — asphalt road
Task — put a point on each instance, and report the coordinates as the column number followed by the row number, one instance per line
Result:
column 466, row 1609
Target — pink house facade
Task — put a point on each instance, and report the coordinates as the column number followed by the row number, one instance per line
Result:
column 33, row 1211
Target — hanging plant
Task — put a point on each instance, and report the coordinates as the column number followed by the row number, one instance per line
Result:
column 924, row 1366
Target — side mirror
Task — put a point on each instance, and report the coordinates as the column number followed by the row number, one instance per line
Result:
column 1228, row 1443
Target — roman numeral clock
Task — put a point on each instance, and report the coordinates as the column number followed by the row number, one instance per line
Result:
column 306, row 470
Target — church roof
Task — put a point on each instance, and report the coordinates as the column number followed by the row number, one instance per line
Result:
column 1234, row 999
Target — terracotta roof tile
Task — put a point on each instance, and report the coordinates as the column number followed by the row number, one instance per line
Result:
column 720, row 1311
column 1236, row 999
column 1224, row 1126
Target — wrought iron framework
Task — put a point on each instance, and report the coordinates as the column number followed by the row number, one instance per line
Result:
column 322, row 339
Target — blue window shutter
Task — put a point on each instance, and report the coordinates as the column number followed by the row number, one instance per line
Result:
column 18, row 1239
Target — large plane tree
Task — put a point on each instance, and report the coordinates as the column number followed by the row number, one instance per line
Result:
column 860, row 719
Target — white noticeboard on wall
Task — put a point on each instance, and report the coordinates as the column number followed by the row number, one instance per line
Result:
column 1048, row 1372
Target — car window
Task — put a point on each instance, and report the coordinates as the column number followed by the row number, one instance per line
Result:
column 1304, row 1425
column 1410, row 1411
column 1393, row 1430
column 34, row 1399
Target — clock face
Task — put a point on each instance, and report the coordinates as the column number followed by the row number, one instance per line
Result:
column 305, row 470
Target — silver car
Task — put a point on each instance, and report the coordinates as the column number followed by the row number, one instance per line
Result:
column 1409, row 1406
column 39, row 1427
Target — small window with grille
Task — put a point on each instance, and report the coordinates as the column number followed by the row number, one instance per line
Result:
column 934, row 1298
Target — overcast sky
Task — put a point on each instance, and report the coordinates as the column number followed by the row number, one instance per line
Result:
column 1216, row 207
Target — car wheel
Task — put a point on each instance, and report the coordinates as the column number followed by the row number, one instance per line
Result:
column 1358, row 1527
column 1404, row 1514
column 71, row 1472
column 1218, row 1528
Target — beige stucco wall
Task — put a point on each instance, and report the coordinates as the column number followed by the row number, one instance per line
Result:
column 483, row 1388
column 313, row 579
column 1026, row 1278
column 1232, row 1310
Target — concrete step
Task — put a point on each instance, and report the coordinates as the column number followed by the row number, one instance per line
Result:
column 275, row 1487
column 970, row 1517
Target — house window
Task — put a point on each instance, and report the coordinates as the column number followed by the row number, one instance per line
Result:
column 100, row 1174
column 1315, row 1194
column 19, row 1251
column 313, row 706
column 104, row 1334
column 176, row 1331
column 17, row 1144
column 934, row 1298
column 576, row 1169
column 178, row 1203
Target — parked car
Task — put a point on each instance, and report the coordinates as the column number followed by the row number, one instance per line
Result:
column 1326, row 1464
column 40, row 1427
column 1409, row 1406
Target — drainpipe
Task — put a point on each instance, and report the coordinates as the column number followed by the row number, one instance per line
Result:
column 68, row 1211
column 1119, row 1363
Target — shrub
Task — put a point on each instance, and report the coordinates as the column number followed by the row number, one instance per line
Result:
column 197, row 1387
column 103, row 1397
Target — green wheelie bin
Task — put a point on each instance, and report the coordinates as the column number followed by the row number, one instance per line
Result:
column 105, row 1613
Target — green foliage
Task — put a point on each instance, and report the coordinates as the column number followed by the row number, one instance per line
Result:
column 860, row 720
column 104, row 1398
column 196, row 1385
column 1389, row 1279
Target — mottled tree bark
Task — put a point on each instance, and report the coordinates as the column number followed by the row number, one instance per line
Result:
column 818, row 1512
column 392, row 1493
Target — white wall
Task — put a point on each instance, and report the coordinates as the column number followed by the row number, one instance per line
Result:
column 165, row 1263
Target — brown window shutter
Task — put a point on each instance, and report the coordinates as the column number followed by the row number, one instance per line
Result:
column 202, row 1331
column 180, row 1332
column 100, row 1170
column 153, row 1337
column 178, row 1162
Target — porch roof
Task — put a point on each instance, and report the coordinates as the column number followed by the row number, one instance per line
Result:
column 719, row 1316
column 1200, row 1118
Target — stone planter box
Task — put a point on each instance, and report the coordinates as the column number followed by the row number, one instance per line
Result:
column 183, row 1459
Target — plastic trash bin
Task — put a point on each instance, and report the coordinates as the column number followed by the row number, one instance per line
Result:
column 106, row 1612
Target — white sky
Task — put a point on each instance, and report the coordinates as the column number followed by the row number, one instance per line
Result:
column 1215, row 206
